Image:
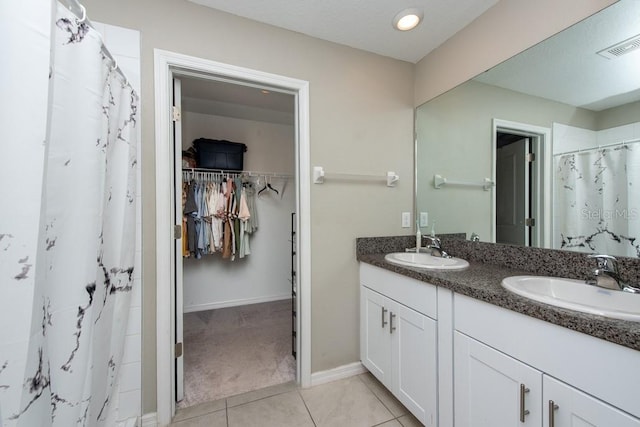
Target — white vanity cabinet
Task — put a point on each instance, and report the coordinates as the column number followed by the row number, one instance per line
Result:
column 398, row 338
column 375, row 334
column 482, row 365
column 512, row 370
column 565, row 406
column 493, row 389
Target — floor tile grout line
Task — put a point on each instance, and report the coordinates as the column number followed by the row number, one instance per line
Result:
column 262, row 398
column 190, row 417
column 304, row 402
column 397, row 418
column 226, row 410
column 379, row 400
column 227, row 407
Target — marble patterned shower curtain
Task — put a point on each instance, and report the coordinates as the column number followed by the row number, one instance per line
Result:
column 597, row 201
column 83, row 267
column 23, row 120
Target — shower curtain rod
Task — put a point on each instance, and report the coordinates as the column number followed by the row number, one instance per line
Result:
column 81, row 13
column 613, row 144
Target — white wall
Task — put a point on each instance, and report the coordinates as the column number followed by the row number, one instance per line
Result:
column 568, row 138
column 619, row 134
column 212, row 282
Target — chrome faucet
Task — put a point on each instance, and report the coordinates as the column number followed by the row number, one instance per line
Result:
column 435, row 248
column 607, row 275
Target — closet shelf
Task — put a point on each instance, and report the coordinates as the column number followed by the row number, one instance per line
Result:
column 239, row 173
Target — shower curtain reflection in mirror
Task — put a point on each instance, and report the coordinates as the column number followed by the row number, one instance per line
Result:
column 597, row 200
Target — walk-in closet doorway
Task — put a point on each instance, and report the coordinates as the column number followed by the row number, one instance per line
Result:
column 237, row 287
column 253, row 290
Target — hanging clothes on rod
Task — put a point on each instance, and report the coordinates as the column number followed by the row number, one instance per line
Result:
column 219, row 211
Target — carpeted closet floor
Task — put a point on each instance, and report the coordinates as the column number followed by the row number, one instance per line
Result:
column 234, row 350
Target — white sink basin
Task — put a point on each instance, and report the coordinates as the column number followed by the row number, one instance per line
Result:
column 576, row 295
column 426, row 261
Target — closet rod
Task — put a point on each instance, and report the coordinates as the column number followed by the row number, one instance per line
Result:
column 238, row 173
column 81, row 13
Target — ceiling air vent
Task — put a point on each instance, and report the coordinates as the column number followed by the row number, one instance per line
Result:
column 622, row 48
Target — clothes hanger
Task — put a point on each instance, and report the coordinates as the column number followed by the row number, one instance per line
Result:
column 271, row 188
column 265, row 186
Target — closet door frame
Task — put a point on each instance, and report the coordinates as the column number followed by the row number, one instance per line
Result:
column 166, row 66
column 176, row 102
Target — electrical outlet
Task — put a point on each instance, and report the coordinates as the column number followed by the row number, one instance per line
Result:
column 424, row 219
column 406, row 219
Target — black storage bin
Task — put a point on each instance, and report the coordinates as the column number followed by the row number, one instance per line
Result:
column 219, row 154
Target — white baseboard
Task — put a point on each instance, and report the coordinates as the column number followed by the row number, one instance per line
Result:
column 149, row 420
column 344, row 371
column 234, row 303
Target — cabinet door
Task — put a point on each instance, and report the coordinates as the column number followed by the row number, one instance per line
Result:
column 414, row 362
column 375, row 337
column 565, row 406
column 493, row 389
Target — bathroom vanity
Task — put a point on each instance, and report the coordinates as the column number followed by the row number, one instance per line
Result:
column 457, row 349
column 398, row 338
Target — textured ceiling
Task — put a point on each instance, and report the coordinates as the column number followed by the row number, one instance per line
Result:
column 363, row 24
column 566, row 68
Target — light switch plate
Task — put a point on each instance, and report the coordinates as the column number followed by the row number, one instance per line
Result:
column 424, row 219
column 406, row 219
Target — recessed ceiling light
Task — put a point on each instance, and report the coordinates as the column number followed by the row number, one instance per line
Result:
column 407, row 19
column 264, row 91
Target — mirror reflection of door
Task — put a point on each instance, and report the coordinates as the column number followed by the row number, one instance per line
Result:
column 513, row 190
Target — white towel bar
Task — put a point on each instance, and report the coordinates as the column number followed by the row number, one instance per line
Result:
column 319, row 175
column 439, row 181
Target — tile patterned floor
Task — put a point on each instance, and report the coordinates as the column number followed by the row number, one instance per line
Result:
column 352, row 402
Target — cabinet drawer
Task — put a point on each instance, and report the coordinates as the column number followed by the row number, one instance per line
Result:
column 420, row 296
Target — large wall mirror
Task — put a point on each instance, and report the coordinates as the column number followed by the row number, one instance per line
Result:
column 543, row 149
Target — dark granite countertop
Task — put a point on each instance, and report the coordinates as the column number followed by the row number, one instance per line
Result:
column 482, row 281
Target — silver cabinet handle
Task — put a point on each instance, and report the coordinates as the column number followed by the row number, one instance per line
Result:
column 384, row 310
column 523, row 412
column 552, row 417
column 391, row 327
